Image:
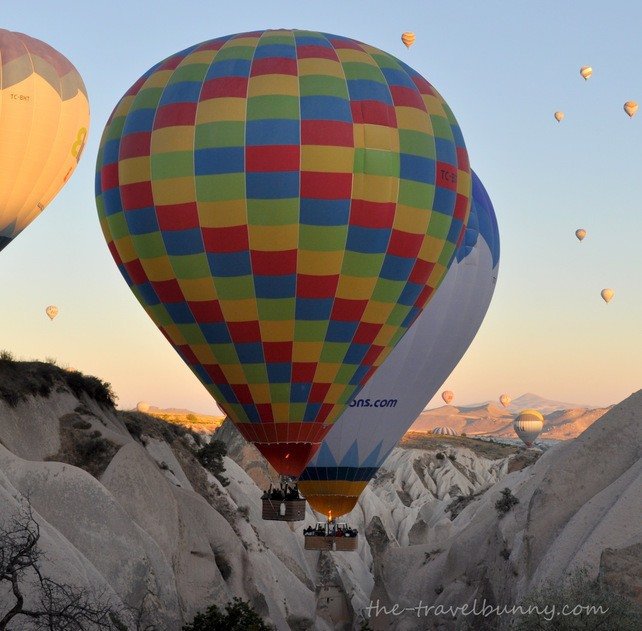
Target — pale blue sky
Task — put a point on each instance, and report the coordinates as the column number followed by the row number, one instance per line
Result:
column 505, row 67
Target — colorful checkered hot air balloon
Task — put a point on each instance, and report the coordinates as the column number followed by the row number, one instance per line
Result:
column 44, row 117
column 379, row 416
column 283, row 204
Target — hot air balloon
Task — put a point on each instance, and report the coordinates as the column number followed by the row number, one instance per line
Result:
column 142, row 406
column 447, row 396
column 44, row 118
column 268, row 197
column 586, row 72
column 444, row 431
column 505, row 400
column 528, row 426
column 51, row 311
column 631, row 107
column 580, row 234
column 559, row 116
column 607, row 294
column 408, row 38
column 365, row 434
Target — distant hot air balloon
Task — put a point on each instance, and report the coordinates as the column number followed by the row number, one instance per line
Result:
column 631, row 107
column 44, row 118
column 51, row 311
column 607, row 294
column 580, row 234
column 505, row 400
column 559, row 116
column 268, row 198
column 444, row 431
column 408, row 38
column 142, row 406
column 365, row 434
column 528, row 426
column 586, row 72
column 447, row 396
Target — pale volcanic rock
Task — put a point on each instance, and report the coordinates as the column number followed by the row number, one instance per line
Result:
column 579, row 499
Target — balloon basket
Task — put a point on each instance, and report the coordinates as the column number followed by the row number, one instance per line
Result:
column 284, row 510
column 338, row 544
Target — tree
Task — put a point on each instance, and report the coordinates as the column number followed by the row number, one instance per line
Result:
column 57, row 606
column 211, row 457
column 238, row 616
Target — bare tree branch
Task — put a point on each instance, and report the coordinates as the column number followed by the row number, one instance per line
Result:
column 61, row 607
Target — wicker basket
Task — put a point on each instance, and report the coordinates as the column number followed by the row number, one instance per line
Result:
column 339, row 544
column 294, row 510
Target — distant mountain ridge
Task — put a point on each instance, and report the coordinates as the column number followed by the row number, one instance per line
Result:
column 562, row 420
column 534, row 401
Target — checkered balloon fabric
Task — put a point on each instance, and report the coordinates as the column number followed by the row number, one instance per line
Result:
column 283, row 204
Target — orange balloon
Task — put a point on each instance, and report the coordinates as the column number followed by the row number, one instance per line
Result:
column 586, row 72
column 559, row 116
column 408, row 38
column 631, row 107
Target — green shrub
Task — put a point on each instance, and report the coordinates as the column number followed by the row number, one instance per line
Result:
column 134, row 427
column 238, row 616
column 99, row 390
column 506, row 502
column 440, row 456
column 211, row 457
column 577, row 591
column 11, row 397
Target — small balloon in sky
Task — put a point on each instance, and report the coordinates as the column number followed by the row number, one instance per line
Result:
column 607, row 294
column 51, row 311
column 408, row 38
column 580, row 234
column 505, row 400
column 586, row 72
column 447, row 396
column 631, row 107
column 528, row 426
column 559, row 116
column 142, row 406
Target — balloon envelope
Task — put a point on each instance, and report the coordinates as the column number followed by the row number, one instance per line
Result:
column 528, row 426
column 631, row 107
column 51, row 311
column 607, row 294
column 580, row 234
column 505, row 400
column 586, row 72
column 447, row 396
column 559, row 116
column 142, row 406
column 283, row 204
column 44, row 118
column 408, row 38
column 389, row 403
column 444, row 431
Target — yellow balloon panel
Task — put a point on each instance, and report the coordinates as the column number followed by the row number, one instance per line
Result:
column 44, row 119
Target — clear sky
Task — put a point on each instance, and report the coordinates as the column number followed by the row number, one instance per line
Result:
column 504, row 68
